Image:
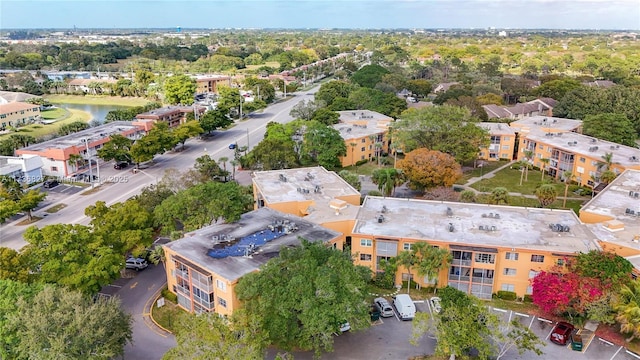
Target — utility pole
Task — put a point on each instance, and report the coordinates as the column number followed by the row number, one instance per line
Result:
column 247, row 138
column 86, row 143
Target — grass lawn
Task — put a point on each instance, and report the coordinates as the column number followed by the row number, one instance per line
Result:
column 53, row 113
column 273, row 64
column 55, row 209
column 40, row 130
column 167, row 316
column 29, row 222
column 510, row 179
column 96, row 100
column 365, row 169
column 529, row 202
column 518, row 306
column 478, row 171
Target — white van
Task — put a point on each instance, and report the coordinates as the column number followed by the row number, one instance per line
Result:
column 404, row 306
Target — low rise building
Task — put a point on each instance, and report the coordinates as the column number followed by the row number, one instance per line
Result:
column 26, row 169
column 502, row 142
column 365, row 134
column 55, row 154
column 14, row 114
column 204, row 267
column 209, row 84
column 537, row 107
column 174, row 116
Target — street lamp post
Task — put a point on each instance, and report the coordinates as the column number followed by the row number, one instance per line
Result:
column 86, row 143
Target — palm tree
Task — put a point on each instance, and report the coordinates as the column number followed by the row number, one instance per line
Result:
column 528, row 154
column 406, row 258
column 546, row 194
column 430, row 260
column 500, row 195
column 157, row 255
column 608, row 176
column 223, row 160
column 608, row 160
column 543, row 163
column 628, row 309
column 234, row 163
column 74, row 159
column 568, row 177
column 387, row 180
column 353, row 148
column 378, row 147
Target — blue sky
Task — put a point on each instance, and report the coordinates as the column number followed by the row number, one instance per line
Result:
column 523, row 14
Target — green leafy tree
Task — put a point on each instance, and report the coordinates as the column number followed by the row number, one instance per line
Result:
column 611, row 269
column 612, row 127
column 546, row 194
column 8, row 208
column 213, row 120
column 449, row 129
column 326, row 116
column 153, row 195
column 369, row 75
column 212, row 337
column 305, row 109
column 351, row 179
column 468, row 196
column 202, row 205
column 22, row 140
column 30, row 200
column 318, row 289
column 10, row 292
column 125, row 226
column 262, row 89
column 372, row 99
column 332, row 90
column 420, row 87
column 61, row 324
column 179, row 89
column 271, row 154
column 117, row 148
column 430, row 260
column 229, row 98
column 427, row 169
column 12, row 265
column 157, row 141
column 187, row 130
column 71, row 255
column 74, row 160
column 209, row 168
column 406, row 259
column 515, row 335
column 73, row 127
column 557, row 89
column 323, row 145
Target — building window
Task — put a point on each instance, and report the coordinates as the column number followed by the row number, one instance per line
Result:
column 529, row 290
column 582, row 159
column 221, row 285
column 560, row 262
column 485, row 258
column 505, row 147
column 511, row 256
column 362, row 148
column 54, row 168
column 222, row 302
column 533, row 273
column 509, row 271
column 508, row 287
column 364, row 141
column 365, row 242
column 365, row 257
column 537, row 258
column 406, row 247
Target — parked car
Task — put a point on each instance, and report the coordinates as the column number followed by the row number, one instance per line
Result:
column 383, row 306
column 232, row 146
column 50, row 184
column 120, row 165
column 435, row 304
column 561, row 333
column 405, row 306
column 345, row 327
column 136, row 264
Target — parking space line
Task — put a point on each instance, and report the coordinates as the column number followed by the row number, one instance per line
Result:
column 632, row 354
column 616, row 354
column 605, row 341
column 510, row 315
column 533, row 318
column 549, row 334
column 521, row 314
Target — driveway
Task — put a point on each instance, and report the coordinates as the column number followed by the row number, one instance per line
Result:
column 137, row 295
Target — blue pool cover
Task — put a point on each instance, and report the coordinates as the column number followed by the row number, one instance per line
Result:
column 238, row 247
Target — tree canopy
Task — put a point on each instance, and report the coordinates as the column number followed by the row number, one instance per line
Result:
column 301, row 297
column 427, row 169
column 179, row 89
column 448, row 129
column 612, row 127
column 323, row 145
column 369, row 75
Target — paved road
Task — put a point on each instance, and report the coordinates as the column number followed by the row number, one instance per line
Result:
column 247, row 132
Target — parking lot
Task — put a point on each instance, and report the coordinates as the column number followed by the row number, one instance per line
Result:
column 390, row 338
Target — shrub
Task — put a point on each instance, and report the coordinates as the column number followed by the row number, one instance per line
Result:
column 527, row 299
column 169, row 296
column 506, row 295
column 374, row 193
column 383, row 280
column 362, row 162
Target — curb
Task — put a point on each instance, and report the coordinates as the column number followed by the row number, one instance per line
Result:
column 385, row 295
column 156, row 296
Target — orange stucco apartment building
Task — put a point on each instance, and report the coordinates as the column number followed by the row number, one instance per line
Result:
column 502, row 142
column 55, row 153
column 493, row 247
column 361, row 131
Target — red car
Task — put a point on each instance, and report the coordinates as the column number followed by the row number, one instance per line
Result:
column 561, row 333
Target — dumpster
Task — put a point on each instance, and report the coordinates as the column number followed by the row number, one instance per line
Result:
column 374, row 313
column 576, row 342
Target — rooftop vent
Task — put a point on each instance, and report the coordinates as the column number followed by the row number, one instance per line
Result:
column 449, row 211
column 594, row 140
column 384, row 209
column 570, row 143
column 558, row 134
column 380, row 219
column 451, row 227
column 629, row 211
column 282, row 178
column 634, row 158
column 559, row 228
column 316, row 189
column 593, row 148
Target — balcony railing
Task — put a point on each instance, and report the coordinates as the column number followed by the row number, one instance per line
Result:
column 461, row 262
column 482, row 280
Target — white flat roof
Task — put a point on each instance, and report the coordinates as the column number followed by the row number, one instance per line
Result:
column 513, row 227
column 548, row 122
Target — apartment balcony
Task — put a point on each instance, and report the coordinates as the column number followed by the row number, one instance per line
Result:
column 461, row 262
